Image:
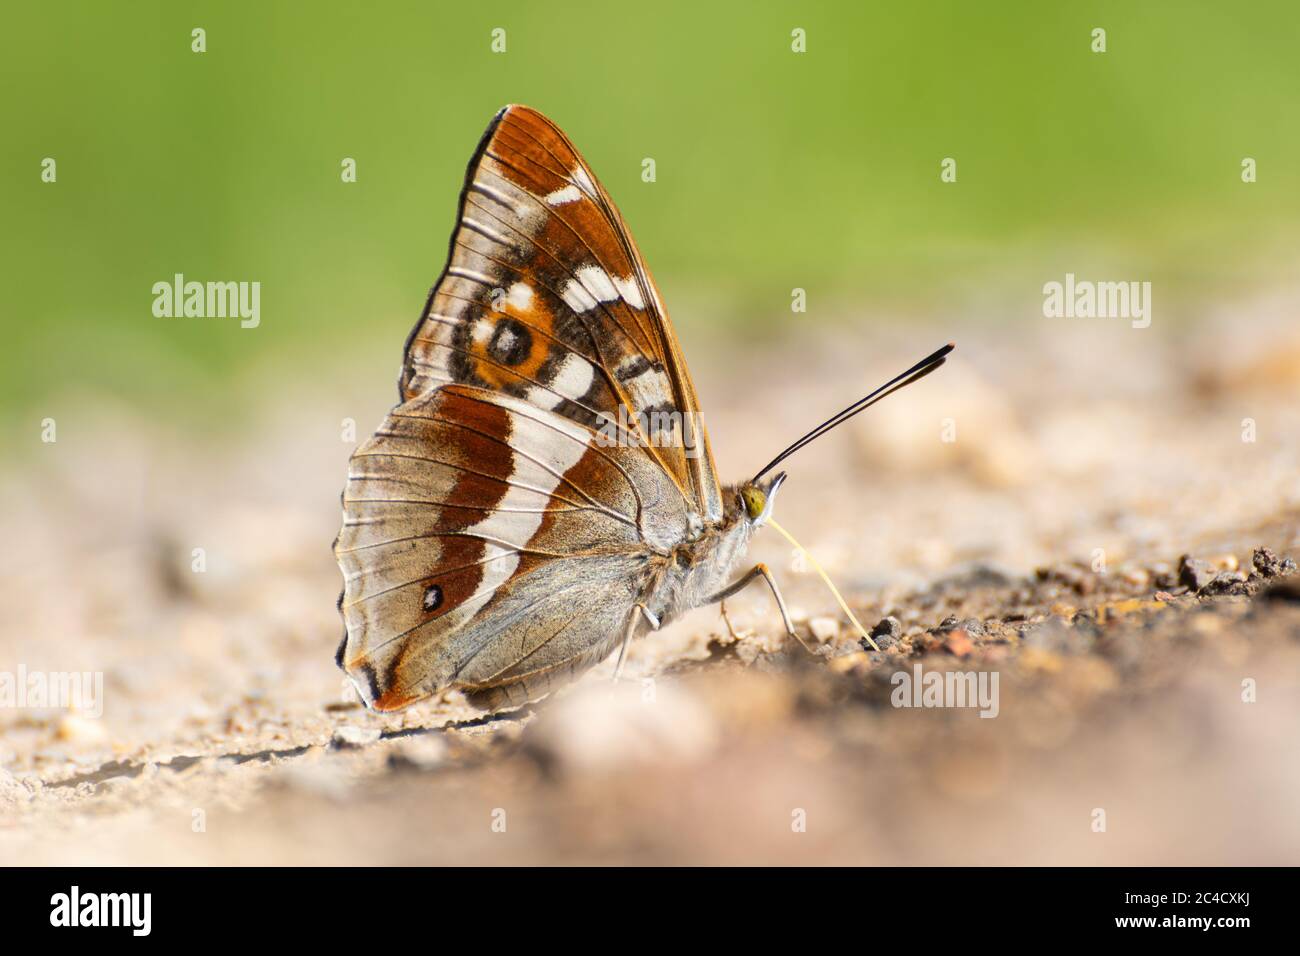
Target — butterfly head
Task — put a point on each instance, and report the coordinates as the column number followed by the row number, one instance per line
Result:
column 758, row 499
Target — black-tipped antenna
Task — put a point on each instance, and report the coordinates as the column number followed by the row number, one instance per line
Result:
column 914, row 374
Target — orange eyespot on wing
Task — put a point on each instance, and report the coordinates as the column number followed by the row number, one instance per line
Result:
column 510, row 344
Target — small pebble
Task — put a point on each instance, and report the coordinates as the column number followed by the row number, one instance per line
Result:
column 959, row 643
column 887, row 627
column 886, row 633
column 86, row 731
column 1194, row 574
column 824, row 628
column 1269, row 565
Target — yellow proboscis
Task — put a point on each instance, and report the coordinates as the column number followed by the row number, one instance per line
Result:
column 825, row 577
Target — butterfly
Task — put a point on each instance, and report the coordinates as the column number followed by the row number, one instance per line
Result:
column 544, row 491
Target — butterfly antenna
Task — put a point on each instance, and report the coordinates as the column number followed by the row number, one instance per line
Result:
column 914, row 374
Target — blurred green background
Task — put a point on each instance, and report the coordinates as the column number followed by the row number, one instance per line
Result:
column 775, row 169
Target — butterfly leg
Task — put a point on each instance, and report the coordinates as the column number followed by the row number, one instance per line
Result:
column 761, row 570
column 726, row 619
column 631, row 629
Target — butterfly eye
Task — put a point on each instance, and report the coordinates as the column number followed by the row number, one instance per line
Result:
column 432, row 597
column 754, row 500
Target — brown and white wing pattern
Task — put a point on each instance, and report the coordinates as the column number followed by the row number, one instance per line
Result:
column 545, row 297
column 494, row 537
column 492, row 545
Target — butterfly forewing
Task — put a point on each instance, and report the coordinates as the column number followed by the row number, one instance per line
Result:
column 546, row 297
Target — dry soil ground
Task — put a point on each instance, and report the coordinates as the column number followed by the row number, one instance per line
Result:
column 1042, row 545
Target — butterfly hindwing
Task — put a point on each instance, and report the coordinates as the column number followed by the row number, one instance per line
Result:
column 475, row 525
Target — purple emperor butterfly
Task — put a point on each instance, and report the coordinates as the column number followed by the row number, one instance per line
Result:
column 544, row 491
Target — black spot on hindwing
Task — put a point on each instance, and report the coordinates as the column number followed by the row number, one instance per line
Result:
column 432, row 597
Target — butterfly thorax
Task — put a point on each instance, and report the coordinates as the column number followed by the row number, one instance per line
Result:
column 697, row 569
